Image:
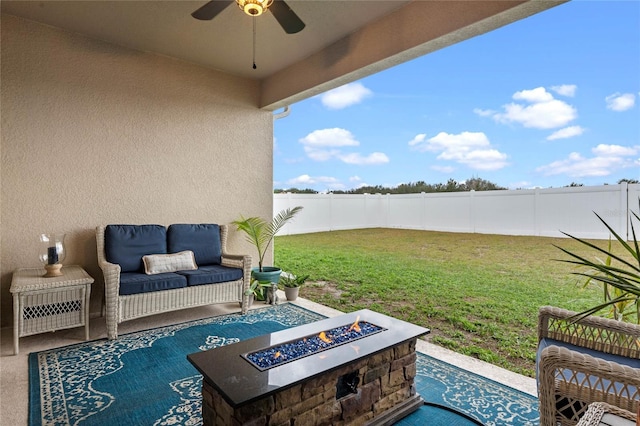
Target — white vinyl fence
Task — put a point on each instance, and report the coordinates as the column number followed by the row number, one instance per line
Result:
column 538, row 212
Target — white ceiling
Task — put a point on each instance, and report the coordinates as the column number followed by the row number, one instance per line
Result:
column 343, row 40
column 224, row 43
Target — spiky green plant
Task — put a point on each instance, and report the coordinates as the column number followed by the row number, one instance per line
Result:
column 291, row 280
column 621, row 284
column 622, row 310
column 253, row 288
column 260, row 233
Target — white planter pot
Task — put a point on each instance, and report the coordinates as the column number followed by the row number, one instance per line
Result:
column 249, row 301
column 291, row 293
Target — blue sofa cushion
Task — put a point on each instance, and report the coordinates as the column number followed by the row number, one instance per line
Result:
column 211, row 274
column 622, row 360
column 126, row 244
column 134, row 283
column 202, row 239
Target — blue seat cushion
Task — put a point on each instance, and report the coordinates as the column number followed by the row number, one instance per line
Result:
column 134, row 283
column 630, row 362
column 202, row 239
column 211, row 274
column 126, row 244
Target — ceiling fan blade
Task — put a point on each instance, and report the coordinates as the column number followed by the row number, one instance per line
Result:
column 211, row 9
column 286, row 17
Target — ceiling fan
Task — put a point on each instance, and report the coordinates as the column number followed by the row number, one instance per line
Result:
column 288, row 20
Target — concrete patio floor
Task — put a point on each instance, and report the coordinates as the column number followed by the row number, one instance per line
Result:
column 14, row 379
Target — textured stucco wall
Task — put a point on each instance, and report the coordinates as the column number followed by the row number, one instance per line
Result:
column 94, row 133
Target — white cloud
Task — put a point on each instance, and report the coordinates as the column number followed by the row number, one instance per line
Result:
column 565, row 90
column 448, row 142
column 307, row 181
column 369, row 160
column 540, row 110
column 544, row 115
column 615, row 150
column 484, row 112
column 472, row 149
column 357, row 181
column 539, row 94
column 567, row 132
column 418, row 139
column 606, row 160
column 335, row 137
column 326, row 144
column 620, row 102
column 488, row 159
column 344, row 96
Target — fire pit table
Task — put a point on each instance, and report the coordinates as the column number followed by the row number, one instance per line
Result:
column 356, row 368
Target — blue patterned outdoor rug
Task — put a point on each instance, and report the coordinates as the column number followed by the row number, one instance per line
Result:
column 478, row 398
column 144, row 378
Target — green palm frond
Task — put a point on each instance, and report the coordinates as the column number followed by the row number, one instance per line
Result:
column 603, row 306
column 281, row 219
column 260, row 233
column 621, row 282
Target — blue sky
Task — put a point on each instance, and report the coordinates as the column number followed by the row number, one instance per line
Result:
column 542, row 102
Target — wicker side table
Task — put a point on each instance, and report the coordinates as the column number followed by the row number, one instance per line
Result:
column 48, row 304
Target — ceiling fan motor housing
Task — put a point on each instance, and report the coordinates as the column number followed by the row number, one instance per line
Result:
column 254, row 7
column 287, row 18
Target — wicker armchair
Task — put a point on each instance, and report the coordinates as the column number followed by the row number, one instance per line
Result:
column 571, row 375
column 599, row 414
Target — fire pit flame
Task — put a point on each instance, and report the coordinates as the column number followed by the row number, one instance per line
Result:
column 277, row 355
column 355, row 326
column 323, row 336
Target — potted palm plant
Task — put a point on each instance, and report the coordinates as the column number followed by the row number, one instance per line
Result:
column 620, row 277
column 260, row 234
column 291, row 284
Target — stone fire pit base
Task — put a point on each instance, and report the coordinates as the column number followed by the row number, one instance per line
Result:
column 379, row 390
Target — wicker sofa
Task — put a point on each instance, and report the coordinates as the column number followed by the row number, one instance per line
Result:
column 580, row 362
column 150, row 269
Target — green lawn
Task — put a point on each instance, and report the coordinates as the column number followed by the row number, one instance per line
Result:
column 479, row 294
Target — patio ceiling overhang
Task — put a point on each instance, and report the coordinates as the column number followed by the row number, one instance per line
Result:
column 343, row 41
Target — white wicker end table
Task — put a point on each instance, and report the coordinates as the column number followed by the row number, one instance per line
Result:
column 48, row 304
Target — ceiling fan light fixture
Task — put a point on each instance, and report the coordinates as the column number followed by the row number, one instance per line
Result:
column 254, row 7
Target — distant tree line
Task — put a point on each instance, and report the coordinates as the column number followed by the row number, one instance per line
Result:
column 474, row 183
column 630, row 181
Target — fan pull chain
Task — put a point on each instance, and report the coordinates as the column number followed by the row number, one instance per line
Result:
column 254, row 43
